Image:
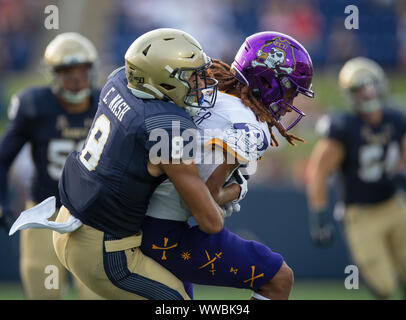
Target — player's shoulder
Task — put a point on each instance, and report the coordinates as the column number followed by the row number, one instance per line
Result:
column 232, row 108
column 393, row 113
column 337, row 122
column 229, row 102
column 166, row 114
column 95, row 97
column 96, row 93
column 153, row 110
column 31, row 102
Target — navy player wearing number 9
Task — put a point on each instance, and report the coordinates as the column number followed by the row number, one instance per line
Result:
column 366, row 147
column 54, row 120
column 108, row 184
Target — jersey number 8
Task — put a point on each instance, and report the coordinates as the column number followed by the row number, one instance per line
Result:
column 93, row 149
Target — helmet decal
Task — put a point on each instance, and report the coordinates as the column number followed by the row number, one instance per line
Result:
column 274, row 54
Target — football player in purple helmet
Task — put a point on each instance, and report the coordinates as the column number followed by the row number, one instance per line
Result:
column 268, row 72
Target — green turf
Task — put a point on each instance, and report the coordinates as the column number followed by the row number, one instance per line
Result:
column 303, row 290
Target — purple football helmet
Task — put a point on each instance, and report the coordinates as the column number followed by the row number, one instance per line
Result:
column 277, row 68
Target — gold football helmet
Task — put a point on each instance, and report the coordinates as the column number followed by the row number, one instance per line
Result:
column 363, row 74
column 67, row 50
column 169, row 64
column 360, row 71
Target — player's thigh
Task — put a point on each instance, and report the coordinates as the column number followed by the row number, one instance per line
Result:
column 222, row 259
column 366, row 239
column 154, row 276
column 36, row 248
column 83, row 292
column 397, row 236
column 121, row 274
column 38, row 262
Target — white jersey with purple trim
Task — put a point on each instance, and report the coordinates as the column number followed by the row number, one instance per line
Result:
column 230, row 126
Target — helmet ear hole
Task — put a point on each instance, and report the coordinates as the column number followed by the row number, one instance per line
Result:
column 145, row 52
column 167, row 86
column 265, row 83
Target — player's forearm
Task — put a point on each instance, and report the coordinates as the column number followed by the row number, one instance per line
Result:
column 317, row 193
column 197, row 197
column 226, row 194
column 207, row 213
column 215, row 184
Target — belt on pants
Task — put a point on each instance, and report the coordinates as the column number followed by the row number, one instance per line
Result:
column 124, row 243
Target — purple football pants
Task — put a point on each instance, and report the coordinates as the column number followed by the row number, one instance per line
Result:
column 222, row 259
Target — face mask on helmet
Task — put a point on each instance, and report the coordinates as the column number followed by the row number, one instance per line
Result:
column 365, row 98
column 75, row 97
column 277, row 95
column 73, row 82
column 202, row 90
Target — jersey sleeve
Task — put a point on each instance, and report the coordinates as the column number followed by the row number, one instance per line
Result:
column 245, row 142
column 17, row 133
column 402, row 123
column 170, row 137
column 332, row 127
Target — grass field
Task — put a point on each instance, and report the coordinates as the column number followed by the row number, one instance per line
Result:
column 303, row 290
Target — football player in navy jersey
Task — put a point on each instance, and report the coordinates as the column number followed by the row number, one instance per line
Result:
column 135, row 143
column 365, row 146
column 54, row 120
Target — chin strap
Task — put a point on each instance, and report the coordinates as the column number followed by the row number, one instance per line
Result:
column 75, row 98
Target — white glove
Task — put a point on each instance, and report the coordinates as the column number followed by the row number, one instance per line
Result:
column 243, row 184
column 239, row 179
column 230, row 207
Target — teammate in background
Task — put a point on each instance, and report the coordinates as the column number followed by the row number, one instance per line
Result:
column 365, row 146
column 54, row 120
column 268, row 72
column 107, row 186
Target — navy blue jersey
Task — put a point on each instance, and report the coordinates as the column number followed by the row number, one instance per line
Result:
column 38, row 118
column 107, row 184
column 371, row 155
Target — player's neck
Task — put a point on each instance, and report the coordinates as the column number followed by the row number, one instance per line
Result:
column 233, row 92
column 373, row 118
column 75, row 107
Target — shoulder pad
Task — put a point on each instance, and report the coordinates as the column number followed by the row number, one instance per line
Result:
column 32, row 101
column 111, row 75
column 23, row 103
column 323, row 125
column 337, row 121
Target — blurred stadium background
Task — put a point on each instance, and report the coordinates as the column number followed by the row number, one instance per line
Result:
column 275, row 211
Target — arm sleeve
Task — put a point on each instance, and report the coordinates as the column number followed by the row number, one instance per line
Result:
column 332, row 127
column 170, row 137
column 402, row 125
column 14, row 138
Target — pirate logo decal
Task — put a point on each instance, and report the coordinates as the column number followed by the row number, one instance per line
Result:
column 277, row 55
